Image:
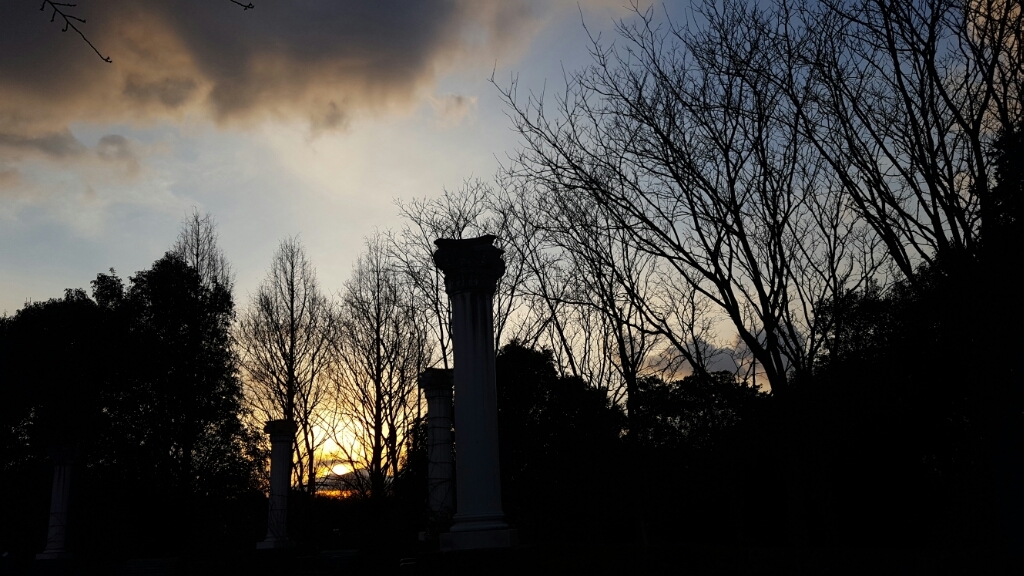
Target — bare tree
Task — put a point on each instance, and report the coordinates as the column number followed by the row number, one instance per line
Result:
column 691, row 150
column 197, row 246
column 908, row 98
column 462, row 213
column 285, row 338
column 453, row 215
column 583, row 282
column 383, row 346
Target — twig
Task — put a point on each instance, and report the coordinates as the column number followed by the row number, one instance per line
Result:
column 69, row 24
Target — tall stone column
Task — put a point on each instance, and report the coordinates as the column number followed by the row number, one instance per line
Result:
column 471, row 269
column 282, row 434
column 436, row 384
column 56, row 534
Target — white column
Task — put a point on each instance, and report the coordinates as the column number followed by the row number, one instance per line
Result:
column 436, row 384
column 56, row 535
column 282, row 434
column 471, row 269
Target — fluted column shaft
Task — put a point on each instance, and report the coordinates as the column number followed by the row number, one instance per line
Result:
column 472, row 268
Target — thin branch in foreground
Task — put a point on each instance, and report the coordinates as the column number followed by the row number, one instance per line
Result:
column 69, row 24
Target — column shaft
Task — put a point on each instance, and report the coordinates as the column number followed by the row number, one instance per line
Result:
column 56, row 535
column 478, row 475
column 282, row 434
column 437, row 387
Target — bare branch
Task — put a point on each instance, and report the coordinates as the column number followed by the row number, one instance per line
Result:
column 69, row 24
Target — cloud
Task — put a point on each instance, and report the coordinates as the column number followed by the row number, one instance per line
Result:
column 170, row 93
column 9, row 178
column 55, row 145
column 324, row 61
column 116, row 149
column 451, row 109
column 327, row 118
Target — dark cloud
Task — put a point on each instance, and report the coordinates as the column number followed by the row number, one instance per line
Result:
column 114, row 147
column 118, row 149
column 327, row 118
column 319, row 60
column 168, row 92
column 56, row 145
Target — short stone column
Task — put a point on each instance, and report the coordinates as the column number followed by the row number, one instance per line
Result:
column 56, row 534
column 436, row 384
column 471, row 269
column 282, row 435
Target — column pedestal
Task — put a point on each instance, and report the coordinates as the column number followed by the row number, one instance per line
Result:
column 282, row 434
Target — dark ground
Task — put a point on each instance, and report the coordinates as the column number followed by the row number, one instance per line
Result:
column 541, row 559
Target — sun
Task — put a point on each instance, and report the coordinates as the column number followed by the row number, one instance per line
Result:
column 339, row 469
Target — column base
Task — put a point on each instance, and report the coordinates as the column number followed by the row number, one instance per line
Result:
column 273, row 544
column 478, row 522
column 53, row 555
column 479, row 539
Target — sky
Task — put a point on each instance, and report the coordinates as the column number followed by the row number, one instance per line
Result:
column 298, row 117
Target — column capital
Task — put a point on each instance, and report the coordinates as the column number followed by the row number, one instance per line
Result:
column 469, row 264
column 280, row 428
column 437, row 382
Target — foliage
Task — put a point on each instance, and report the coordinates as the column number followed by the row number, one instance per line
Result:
column 887, row 394
column 693, row 413
column 1007, row 197
column 140, row 385
column 178, row 398
column 560, row 441
column 52, row 376
column 173, row 413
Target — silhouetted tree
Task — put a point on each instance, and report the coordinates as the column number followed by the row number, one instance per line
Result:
column 197, row 246
column 467, row 212
column 382, row 345
column 920, row 414
column 681, row 143
column 140, row 383
column 285, row 338
column 55, row 357
column 559, row 441
column 907, row 101
column 173, row 406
